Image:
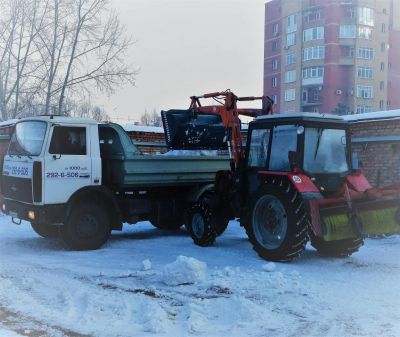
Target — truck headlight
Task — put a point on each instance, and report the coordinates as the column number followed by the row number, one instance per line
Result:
column 31, row 215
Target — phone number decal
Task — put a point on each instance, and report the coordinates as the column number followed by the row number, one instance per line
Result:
column 21, row 171
column 62, row 175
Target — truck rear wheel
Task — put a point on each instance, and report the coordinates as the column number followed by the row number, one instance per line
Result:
column 340, row 248
column 87, row 228
column 200, row 225
column 44, row 230
column 277, row 224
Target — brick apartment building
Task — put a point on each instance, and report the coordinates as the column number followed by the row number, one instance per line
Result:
column 338, row 56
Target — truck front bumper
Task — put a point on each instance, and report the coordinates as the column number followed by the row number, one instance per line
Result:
column 48, row 214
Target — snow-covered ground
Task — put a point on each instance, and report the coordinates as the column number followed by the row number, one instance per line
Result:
column 137, row 285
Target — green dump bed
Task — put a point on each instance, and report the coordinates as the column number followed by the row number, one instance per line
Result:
column 124, row 166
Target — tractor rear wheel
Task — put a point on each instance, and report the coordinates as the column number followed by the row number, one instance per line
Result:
column 340, row 248
column 277, row 224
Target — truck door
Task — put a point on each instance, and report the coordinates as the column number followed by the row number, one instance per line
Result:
column 67, row 162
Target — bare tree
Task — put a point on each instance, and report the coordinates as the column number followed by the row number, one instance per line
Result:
column 53, row 52
column 151, row 118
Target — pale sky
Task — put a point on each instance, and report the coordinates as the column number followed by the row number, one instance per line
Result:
column 189, row 47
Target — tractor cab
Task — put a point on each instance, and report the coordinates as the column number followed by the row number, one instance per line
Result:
column 311, row 143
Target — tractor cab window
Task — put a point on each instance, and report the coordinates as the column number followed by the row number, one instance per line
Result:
column 68, row 141
column 325, row 151
column 284, row 139
column 259, row 148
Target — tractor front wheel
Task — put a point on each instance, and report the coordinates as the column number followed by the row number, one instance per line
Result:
column 277, row 224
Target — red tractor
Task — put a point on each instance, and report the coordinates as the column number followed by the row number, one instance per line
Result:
column 294, row 181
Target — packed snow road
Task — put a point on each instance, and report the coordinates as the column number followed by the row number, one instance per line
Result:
column 137, row 285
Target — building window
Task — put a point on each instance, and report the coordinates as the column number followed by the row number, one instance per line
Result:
column 383, row 47
column 381, row 85
column 274, row 82
column 316, row 33
column 362, row 109
column 290, row 95
column 347, row 31
column 365, row 53
column 381, row 105
column 290, row 58
column 384, row 10
column 351, row 12
column 275, row 29
column 275, row 46
column 314, row 53
column 290, row 39
column 290, row 76
column 312, row 15
column 382, row 66
column 383, row 28
column 274, row 64
column 365, row 91
column 351, row 52
column 365, row 33
column 366, row 16
column 275, row 99
column 364, row 72
column 313, row 72
column 316, row 95
column 291, row 24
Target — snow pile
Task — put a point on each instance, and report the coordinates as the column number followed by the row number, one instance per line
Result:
column 146, row 265
column 185, row 270
column 269, row 267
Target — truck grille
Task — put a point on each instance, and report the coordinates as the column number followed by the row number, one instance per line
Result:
column 17, row 188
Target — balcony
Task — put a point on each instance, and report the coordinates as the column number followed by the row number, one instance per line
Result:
column 313, row 81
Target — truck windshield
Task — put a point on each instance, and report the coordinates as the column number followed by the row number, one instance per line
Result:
column 325, row 151
column 27, row 139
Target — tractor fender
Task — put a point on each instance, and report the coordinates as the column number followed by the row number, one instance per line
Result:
column 101, row 195
column 300, row 181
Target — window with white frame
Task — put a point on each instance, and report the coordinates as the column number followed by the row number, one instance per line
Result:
column 366, row 16
column 381, row 105
column 274, row 99
column 291, row 24
column 364, row 33
column 362, row 109
column 313, row 72
column 274, row 64
column 312, row 15
column 314, row 53
column 274, row 82
column 347, row 31
column 290, row 39
column 365, row 53
column 290, row 58
column 275, row 29
column 316, row 33
column 290, row 95
column 365, row 91
column 290, row 76
column 364, row 72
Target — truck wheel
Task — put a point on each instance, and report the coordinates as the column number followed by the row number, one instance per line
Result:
column 340, row 248
column 277, row 224
column 44, row 230
column 87, row 228
column 200, row 225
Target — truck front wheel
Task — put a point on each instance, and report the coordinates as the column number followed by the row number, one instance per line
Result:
column 44, row 230
column 277, row 224
column 87, row 227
